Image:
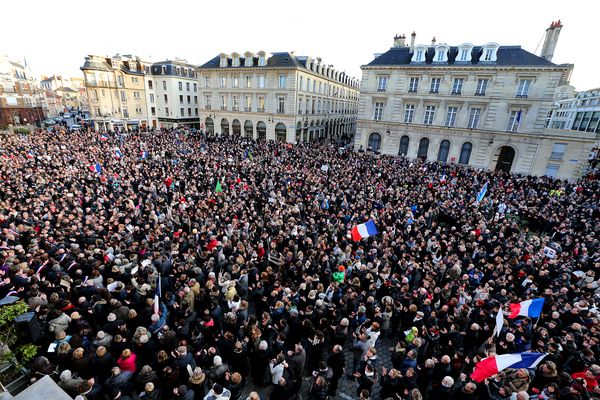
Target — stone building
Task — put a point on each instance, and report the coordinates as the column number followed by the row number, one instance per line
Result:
column 116, row 92
column 21, row 99
column 276, row 96
column 172, row 94
column 485, row 106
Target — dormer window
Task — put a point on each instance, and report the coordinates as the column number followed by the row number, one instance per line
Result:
column 464, row 52
column 489, row 52
column 441, row 54
column 235, row 60
column 262, row 60
column 419, row 54
column 223, row 62
column 248, row 60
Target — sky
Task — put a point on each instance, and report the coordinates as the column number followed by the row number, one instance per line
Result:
column 55, row 36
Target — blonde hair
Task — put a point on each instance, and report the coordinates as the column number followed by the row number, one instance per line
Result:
column 78, row 353
column 100, row 351
column 126, row 353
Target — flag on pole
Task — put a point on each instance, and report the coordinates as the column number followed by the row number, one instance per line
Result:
column 519, row 117
column 499, row 323
column 528, row 308
column 157, row 295
column 218, row 188
column 98, row 168
column 365, row 230
column 490, row 366
column 482, row 193
column 443, row 179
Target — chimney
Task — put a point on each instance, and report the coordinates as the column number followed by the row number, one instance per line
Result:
column 399, row 41
column 433, row 41
column 551, row 40
column 412, row 41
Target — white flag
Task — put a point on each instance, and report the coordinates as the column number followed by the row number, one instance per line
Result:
column 499, row 323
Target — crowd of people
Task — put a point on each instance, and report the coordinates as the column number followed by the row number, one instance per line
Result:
column 172, row 265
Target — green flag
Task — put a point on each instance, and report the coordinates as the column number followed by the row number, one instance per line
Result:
column 218, row 188
column 250, row 155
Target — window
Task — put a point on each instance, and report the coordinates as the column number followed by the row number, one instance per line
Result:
column 443, row 151
column 187, row 86
column 236, row 81
column 261, row 81
column 153, row 111
column 409, row 113
column 235, row 62
column 552, row 170
column 189, row 112
column 423, row 148
column 123, row 96
column 247, row 103
column 481, row 87
column 374, row 141
column 167, row 111
column 419, row 55
column 577, row 123
column 180, row 99
column 435, row 85
column 248, row 81
column 207, row 101
column 465, row 153
column 166, row 98
column 261, row 103
column 164, row 70
column 513, row 121
column 189, row 99
column 457, row 85
column 301, row 83
column 464, row 54
column 149, row 84
column 378, row 113
column 474, row 117
column 281, row 106
column 151, row 98
column 282, row 79
column 429, row 115
column 180, row 86
column 404, row 141
column 236, row 103
column 206, row 81
column 261, row 61
column 382, row 82
column 195, row 87
column 182, row 112
column 223, row 102
column 558, row 151
column 414, row 85
column 196, row 112
column 488, row 55
column 125, row 113
column 177, row 71
column 523, row 89
column 593, row 126
column 223, row 81
column 120, row 81
column 451, row 116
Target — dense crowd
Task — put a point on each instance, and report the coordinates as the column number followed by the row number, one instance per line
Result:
column 262, row 289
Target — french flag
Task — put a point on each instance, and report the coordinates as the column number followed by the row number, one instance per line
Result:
column 528, row 308
column 30, row 154
column 157, row 295
column 118, row 153
column 490, row 366
column 103, row 137
column 98, row 168
column 144, row 155
column 365, row 230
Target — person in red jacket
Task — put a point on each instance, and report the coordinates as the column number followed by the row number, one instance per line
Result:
column 590, row 375
column 127, row 361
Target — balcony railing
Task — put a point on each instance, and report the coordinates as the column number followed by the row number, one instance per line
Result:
column 261, row 109
column 521, row 96
column 479, row 93
column 457, row 93
column 235, row 108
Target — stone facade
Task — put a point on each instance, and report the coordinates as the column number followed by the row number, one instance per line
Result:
column 116, row 92
column 483, row 106
column 21, row 99
column 279, row 96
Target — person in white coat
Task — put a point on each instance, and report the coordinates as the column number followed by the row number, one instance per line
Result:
column 277, row 367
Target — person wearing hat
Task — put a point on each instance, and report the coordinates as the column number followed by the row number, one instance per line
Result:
column 340, row 274
column 196, row 381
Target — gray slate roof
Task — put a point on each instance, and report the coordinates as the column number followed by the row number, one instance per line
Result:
column 282, row 59
column 506, row 56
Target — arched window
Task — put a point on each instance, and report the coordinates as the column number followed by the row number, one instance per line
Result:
column 404, row 141
column 465, row 153
column 374, row 141
column 423, row 148
column 280, row 132
column 261, row 130
column 443, row 151
column 248, row 128
column 224, row 126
